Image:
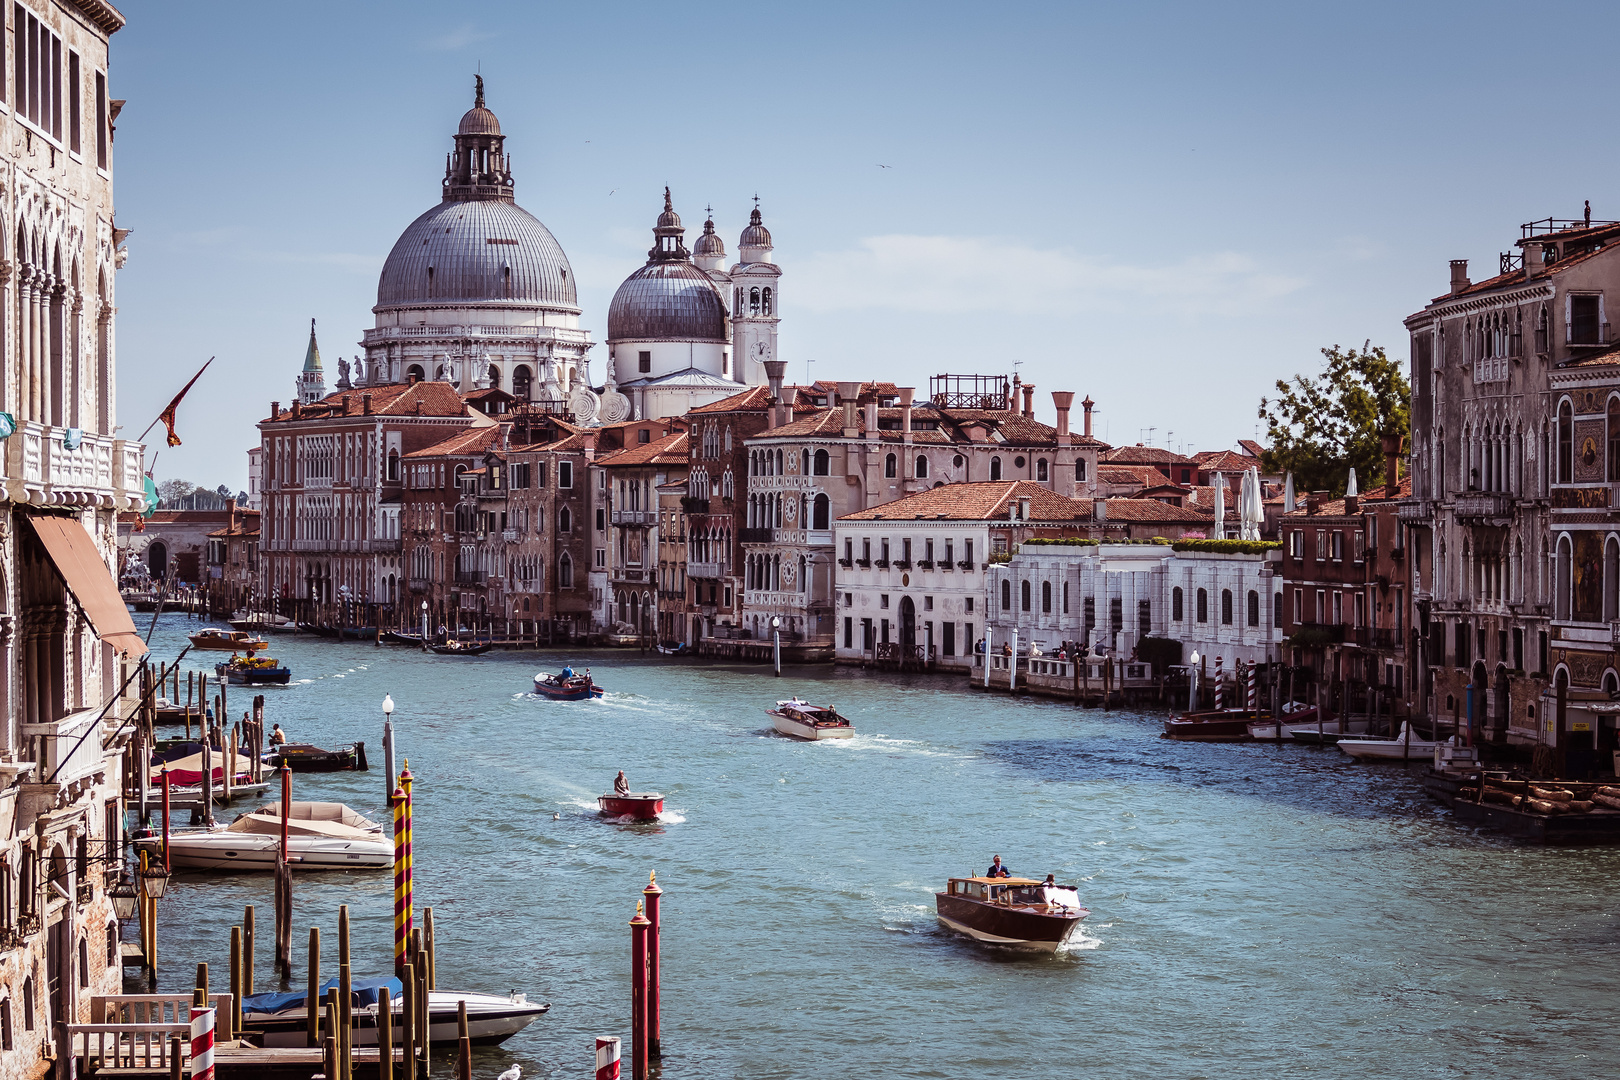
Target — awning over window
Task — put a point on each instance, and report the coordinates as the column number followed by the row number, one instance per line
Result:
column 79, row 563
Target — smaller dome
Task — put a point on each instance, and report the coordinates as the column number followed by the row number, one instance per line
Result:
column 709, row 243
column 756, row 235
column 667, row 301
column 479, row 121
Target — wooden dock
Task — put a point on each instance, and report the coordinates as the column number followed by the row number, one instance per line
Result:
column 240, row 1061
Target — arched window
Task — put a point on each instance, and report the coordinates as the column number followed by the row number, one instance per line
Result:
column 753, row 301
column 1203, row 606
column 889, row 463
column 1566, row 444
column 820, row 464
column 494, row 376
column 1614, row 440
column 565, row 571
column 1080, row 470
column 765, row 302
column 995, row 468
column 1042, row 472
column 1562, row 577
column 1046, row 597
column 922, row 467
column 804, row 463
column 522, row 382
column 84, row 962
column 1024, row 593
column 1254, row 608
column 821, row 512
column 1226, row 607
column 565, row 520
column 1176, row 604
column 415, row 371
column 1006, row 595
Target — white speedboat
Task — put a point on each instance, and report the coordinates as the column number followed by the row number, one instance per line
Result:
column 320, row 836
column 1307, row 730
column 1405, row 746
column 802, row 720
column 491, row 1018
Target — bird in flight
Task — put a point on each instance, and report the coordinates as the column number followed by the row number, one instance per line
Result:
column 885, row 166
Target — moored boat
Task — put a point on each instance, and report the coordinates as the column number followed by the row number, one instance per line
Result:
column 320, row 836
column 280, row 1020
column 254, row 671
column 1406, row 746
column 1219, row 725
column 1298, row 718
column 1018, row 912
column 398, row 637
column 304, row 757
column 227, row 640
column 567, row 686
column 802, row 720
column 463, row 648
column 641, row 805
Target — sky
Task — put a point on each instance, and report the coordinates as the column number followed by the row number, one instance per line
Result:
column 1164, row 206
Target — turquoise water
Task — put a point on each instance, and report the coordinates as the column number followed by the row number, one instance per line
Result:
column 1256, row 911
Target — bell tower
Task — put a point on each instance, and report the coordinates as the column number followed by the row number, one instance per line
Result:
column 755, row 303
column 312, row 380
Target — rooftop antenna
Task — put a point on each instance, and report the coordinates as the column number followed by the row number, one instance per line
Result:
column 1151, row 430
column 807, row 362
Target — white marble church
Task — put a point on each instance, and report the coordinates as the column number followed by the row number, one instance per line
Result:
column 477, row 293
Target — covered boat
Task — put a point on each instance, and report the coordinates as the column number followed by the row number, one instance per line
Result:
column 227, row 640
column 641, row 805
column 802, row 720
column 320, row 836
column 1018, row 912
column 281, row 1019
column 567, row 686
column 187, row 770
column 254, row 671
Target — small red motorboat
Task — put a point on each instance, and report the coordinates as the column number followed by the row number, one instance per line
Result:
column 640, row 805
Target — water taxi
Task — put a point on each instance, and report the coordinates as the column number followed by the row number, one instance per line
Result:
column 1017, row 912
column 254, row 671
column 802, row 720
column 282, row 1019
column 227, row 640
column 567, row 686
column 320, row 836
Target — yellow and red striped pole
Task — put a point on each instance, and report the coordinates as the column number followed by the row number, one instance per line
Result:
column 402, row 869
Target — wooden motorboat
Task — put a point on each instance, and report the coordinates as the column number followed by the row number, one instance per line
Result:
column 567, row 686
column 1221, row 725
column 280, row 1019
column 640, row 805
column 462, row 648
column 802, row 720
column 303, row 757
column 1296, row 717
column 1404, row 746
column 320, row 836
column 254, row 671
column 1327, row 732
column 227, row 640
column 1017, row 912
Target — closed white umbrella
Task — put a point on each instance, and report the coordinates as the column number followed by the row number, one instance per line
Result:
column 1220, row 506
column 1288, row 493
column 1350, row 491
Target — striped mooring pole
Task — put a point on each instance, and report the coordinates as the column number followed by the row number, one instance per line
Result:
column 202, row 1044
column 607, row 1058
column 1220, row 685
column 1253, row 703
column 402, row 869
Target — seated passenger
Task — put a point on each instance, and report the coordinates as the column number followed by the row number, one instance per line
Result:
column 996, row 869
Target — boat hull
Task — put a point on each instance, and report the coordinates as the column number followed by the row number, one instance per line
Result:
column 1388, row 749
column 997, row 925
column 278, row 676
column 310, row 759
column 240, row 852
column 640, row 805
column 571, row 693
column 219, row 643
column 462, row 650
column 796, row 729
column 490, row 1020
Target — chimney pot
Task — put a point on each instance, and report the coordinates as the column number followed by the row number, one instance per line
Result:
column 1063, row 401
column 1459, row 276
column 1535, row 260
column 275, row 410
column 774, row 372
column 410, row 380
column 1099, row 509
column 365, row 404
column 1029, row 401
column 1087, row 405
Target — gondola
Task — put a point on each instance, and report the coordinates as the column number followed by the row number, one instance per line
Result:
column 458, row 648
column 396, row 637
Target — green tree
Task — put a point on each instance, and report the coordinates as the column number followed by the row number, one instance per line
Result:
column 1320, row 427
column 172, row 491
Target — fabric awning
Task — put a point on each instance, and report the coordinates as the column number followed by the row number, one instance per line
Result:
column 79, row 562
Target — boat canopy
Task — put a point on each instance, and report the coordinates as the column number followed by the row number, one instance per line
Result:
column 305, row 819
column 189, row 770
column 364, row 992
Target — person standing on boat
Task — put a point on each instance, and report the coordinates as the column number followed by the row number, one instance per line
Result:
column 997, row 869
column 621, row 786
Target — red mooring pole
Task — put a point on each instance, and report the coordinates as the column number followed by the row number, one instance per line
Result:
column 654, row 951
column 166, row 820
column 638, row 995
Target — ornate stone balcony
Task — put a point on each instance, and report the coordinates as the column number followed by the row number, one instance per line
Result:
column 38, row 468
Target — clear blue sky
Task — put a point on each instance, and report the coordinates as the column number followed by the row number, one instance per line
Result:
column 1165, row 206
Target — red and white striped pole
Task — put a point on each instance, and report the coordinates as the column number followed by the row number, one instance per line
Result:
column 654, row 947
column 1254, row 690
column 1220, row 685
column 607, row 1058
column 202, row 1044
column 638, row 995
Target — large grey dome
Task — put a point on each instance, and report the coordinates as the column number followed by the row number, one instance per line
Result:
column 667, row 301
column 477, row 252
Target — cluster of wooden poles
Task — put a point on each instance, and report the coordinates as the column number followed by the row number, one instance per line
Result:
column 646, row 1040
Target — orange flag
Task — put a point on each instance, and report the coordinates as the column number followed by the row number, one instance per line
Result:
column 167, row 415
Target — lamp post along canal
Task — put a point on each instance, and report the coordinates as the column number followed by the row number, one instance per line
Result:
column 388, row 747
column 776, row 645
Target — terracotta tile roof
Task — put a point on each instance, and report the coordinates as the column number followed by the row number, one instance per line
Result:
column 1154, row 510
column 671, row 450
column 1156, row 456
column 983, row 501
column 247, row 526
column 1336, row 507
column 1227, row 461
column 467, row 443
column 1254, row 448
column 1122, row 475
column 1517, row 277
column 395, row 399
column 1602, row 359
column 754, row 399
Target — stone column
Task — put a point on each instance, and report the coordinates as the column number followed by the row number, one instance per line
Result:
column 26, row 391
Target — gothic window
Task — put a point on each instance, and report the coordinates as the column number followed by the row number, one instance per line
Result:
column 565, row 571
column 889, row 465
column 1176, row 604
column 565, row 520
column 1566, row 444
column 922, row 466
column 1041, row 471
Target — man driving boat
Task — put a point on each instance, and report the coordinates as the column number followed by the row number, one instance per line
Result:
column 997, row 869
column 621, row 786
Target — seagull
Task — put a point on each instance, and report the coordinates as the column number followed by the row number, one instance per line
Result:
column 611, row 192
column 885, row 166
column 556, row 817
column 511, row 1074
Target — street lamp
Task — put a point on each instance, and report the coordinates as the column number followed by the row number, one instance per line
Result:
column 154, row 880
column 388, row 747
column 123, row 896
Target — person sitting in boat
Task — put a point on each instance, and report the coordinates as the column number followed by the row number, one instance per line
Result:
column 567, row 673
column 621, row 786
column 997, row 869
column 277, row 736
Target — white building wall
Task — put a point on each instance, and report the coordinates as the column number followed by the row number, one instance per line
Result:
column 954, row 597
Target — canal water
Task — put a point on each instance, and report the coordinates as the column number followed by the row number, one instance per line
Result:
column 1255, row 911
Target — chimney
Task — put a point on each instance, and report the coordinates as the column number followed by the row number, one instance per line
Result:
column 418, row 406
column 1029, row 401
column 365, row 404
column 410, row 380
column 275, row 410
column 1023, row 508
column 871, row 420
column 297, row 409
column 848, row 393
column 1391, row 446
column 1087, row 405
column 1063, row 401
column 1012, row 402
column 774, row 370
column 1459, row 276
column 1314, row 501
column 1535, row 261
column 230, row 512
column 906, row 394
column 1099, row 509
column 790, row 395
column 1352, row 504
